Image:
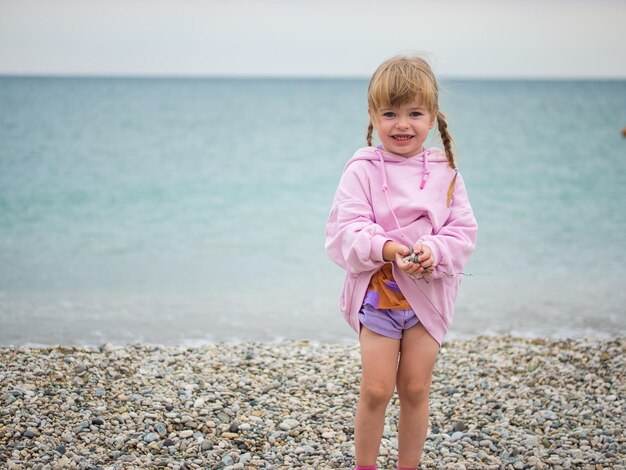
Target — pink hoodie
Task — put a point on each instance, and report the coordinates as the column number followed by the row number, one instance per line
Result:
column 383, row 196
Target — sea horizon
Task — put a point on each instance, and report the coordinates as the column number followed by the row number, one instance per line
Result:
column 177, row 76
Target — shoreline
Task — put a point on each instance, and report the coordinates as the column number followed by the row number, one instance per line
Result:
column 496, row 402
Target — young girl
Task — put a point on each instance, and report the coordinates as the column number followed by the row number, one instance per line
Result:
column 396, row 200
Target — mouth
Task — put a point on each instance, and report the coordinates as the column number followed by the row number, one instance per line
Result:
column 402, row 137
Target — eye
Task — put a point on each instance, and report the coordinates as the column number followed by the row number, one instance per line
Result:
column 389, row 114
column 415, row 114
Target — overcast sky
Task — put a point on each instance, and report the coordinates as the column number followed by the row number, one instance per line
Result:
column 470, row 38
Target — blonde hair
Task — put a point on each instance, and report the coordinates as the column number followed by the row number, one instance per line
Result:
column 400, row 80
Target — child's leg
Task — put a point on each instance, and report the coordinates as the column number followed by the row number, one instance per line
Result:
column 418, row 353
column 379, row 362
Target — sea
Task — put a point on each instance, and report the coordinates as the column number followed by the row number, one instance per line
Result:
column 189, row 211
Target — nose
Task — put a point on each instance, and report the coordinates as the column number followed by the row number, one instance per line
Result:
column 402, row 123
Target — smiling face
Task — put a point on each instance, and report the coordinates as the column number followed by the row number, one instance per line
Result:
column 403, row 129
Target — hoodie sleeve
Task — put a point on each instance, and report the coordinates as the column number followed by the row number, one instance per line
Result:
column 453, row 244
column 353, row 240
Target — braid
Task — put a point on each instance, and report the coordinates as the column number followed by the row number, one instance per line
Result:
column 370, row 131
column 446, row 138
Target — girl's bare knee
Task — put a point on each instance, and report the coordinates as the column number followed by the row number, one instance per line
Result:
column 376, row 394
column 413, row 392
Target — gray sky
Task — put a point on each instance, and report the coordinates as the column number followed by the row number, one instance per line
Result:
column 475, row 38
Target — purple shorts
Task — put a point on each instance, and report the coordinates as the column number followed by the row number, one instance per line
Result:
column 386, row 322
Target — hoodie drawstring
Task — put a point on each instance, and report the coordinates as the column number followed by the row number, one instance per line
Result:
column 426, row 170
column 385, row 188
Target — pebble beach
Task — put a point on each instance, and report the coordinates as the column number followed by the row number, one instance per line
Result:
column 496, row 403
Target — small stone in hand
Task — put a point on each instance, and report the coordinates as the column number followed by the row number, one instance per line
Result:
column 413, row 257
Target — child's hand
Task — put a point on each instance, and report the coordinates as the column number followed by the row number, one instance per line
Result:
column 425, row 264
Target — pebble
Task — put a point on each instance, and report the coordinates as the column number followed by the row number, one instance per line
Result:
column 459, row 426
column 551, row 415
column 496, row 402
column 160, row 429
column 456, row 436
column 531, row 441
column 62, row 463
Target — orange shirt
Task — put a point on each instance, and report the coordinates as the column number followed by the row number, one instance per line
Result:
column 384, row 293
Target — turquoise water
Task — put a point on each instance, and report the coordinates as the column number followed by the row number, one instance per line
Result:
column 191, row 211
